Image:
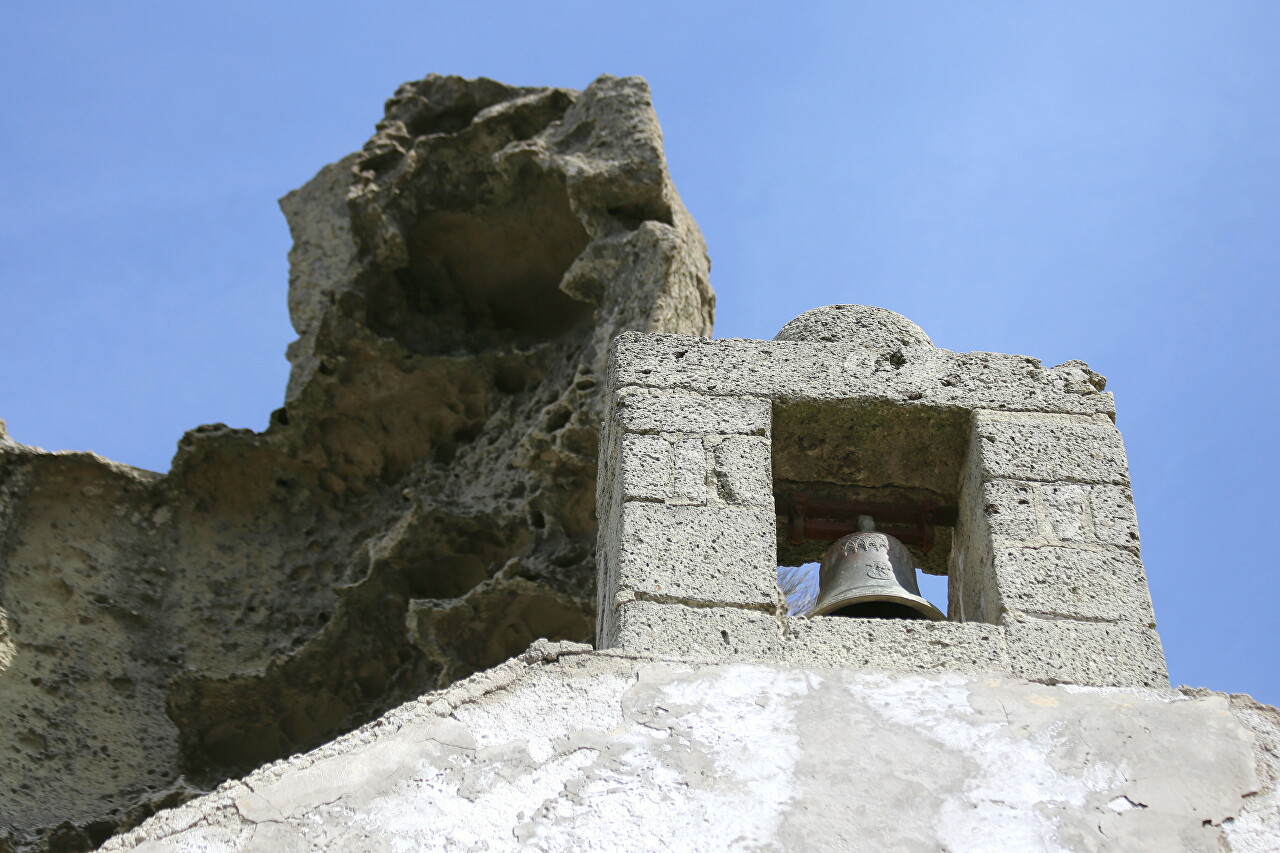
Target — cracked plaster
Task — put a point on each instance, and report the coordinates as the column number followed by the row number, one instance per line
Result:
column 564, row 748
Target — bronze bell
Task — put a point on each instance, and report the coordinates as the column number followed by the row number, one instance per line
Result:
column 870, row 575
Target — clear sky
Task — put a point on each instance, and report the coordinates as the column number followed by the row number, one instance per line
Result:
column 1092, row 180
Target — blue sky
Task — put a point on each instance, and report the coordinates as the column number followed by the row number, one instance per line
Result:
column 1064, row 180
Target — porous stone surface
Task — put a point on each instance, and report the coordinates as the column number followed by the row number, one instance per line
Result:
column 785, row 371
column 1065, row 651
column 708, row 555
column 1046, row 576
column 420, row 508
column 640, row 410
column 1050, row 651
column 1071, row 583
column 685, row 502
column 720, row 634
column 1053, row 448
column 866, row 326
column 563, row 749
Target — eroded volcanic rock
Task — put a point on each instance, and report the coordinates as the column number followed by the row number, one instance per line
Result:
column 421, row 507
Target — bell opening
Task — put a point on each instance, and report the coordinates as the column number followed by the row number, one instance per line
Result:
column 836, row 462
column 879, row 610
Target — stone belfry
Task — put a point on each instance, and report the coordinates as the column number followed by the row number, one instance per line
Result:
column 724, row 459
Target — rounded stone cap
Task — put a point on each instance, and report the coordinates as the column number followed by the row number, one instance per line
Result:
column 862, row 325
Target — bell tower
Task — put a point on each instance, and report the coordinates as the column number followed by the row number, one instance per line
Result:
column 723, row 459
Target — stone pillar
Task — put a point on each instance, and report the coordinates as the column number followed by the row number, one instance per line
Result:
column 1048, row 548
column 686, row 506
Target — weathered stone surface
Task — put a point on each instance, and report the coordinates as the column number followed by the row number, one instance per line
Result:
column 420, row 508
column 741, row 470
column 800, row 370
column 872, row 328
column 696, row 633
column 900, row 645
column 709, row 555
column 1063, row 513
column 565, row 750
column 1104, row 585
column 873, row 445
column 1017, row 446
column 725, row 634
column 643, row 411
column 1066, row 508
column 1052, row 651
column 1114, row 519
column 646, row 470
column 1067, row 652
column 1010, row 510
column 689, row 479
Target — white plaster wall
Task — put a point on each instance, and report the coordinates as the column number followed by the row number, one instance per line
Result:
column 611, row 752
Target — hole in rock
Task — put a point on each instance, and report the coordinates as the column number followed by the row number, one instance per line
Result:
column 486, row 278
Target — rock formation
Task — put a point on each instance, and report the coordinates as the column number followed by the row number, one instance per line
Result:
column 420, row 508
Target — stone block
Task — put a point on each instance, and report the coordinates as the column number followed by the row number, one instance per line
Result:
column 741, row 470
column 654, row 468
column 689, row 485
column 870, row 443
column 1104, row 585
column 1009, row 507
column 1115, row 522
column 708, row 555
column 609, row 464
column 1105, row 655
column 700, row 633
column 1066, row 512
column 646, row 468
column 971, row 587
column 1053, row 448
column 904, row 645
column 1059, row 514
column 645, row 411
column 797, row 370
column 723, row 634
column 1089, row 515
